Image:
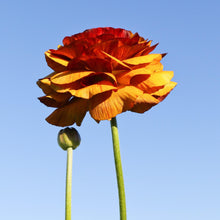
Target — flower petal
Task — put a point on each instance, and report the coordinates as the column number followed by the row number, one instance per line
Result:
column 154, row 80
column 89, row 91
column 94, row 64
column 74, row 112
column 144, row 103
column 126, row 51
column 143, row 59
column 88, row 86
column 56, row 63
column 107, row 105
column 60, row 98
column 98, row 33
column 147, row 50
column 49, row 101
column 124, row 77
column 116, row 60
column 159, row 78
column 165, row 90
column 68, row 77
column 44, row 84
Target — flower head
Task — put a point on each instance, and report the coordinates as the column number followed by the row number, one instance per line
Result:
column 105, row 71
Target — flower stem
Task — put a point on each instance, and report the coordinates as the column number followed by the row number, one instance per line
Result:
column 118, row 167
column 68, row 183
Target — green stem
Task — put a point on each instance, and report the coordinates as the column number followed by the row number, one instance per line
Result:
column 118, row 167
column 68, row 183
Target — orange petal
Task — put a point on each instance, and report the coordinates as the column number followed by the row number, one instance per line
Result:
column 143, row 59
column 68, row 77
column 44, row 84
column 96, row 62
column 56, row 63
column 159, row 78
column 89, row 91
column 144, row 103
column 87, row 86
column 154, row 80
column 116, row 60
column 50, row 101
column 74, row 112
column 50, row 75
column 126, row 51
column 147, row 50
column 106, row 46
column 167, row 88
column 124, row 77
column 108, row 105
column 154, row 66
column 149, row 43
column 59, row 98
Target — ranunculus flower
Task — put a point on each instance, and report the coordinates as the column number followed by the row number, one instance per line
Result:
column 105, row 71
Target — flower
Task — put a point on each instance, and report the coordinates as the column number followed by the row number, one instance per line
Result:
column 105, row 71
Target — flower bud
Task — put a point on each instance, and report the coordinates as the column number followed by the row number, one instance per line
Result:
column 68, row 137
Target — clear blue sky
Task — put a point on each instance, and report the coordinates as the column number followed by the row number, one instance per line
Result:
column 170, row 154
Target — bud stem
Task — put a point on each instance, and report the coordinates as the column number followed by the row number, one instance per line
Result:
column 118, row 167
column 69, row 183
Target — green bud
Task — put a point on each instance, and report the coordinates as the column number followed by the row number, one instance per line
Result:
column 68, row 137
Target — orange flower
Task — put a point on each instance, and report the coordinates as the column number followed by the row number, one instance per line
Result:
column 105, row 71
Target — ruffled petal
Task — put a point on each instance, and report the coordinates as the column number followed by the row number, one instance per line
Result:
column 157, row 79
column 44, row 84
column 88, row 86
column 99, row 33
column 68, row 77
column 107, row 105
column 117, row 61
column 52, row 98
column 106, row 46
column 124, row 77
column 89, row 91
column 144, row 103
column 74, row 112
column 147, row 50
column 162, row 93
column 126, row 51
column 49, row 101
column 143, row 59
column 90, row 63
column 56, row 63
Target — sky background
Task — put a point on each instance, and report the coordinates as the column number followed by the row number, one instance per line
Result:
column 170, row 154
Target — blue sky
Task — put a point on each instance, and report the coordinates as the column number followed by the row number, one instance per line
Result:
column 170, row 154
